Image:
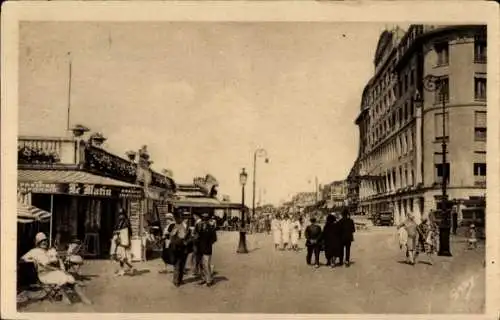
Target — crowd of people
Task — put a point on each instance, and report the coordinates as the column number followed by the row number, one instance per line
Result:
column 418, row 238
column 334, row 238
column 191, row 239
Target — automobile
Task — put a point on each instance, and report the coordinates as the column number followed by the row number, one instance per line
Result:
column 383, row 218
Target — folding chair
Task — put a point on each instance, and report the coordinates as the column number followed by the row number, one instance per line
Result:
column 28, row 277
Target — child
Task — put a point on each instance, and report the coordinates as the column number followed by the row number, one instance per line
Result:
column 472, row 241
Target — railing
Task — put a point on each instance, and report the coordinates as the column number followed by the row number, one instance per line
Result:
column 46, row 150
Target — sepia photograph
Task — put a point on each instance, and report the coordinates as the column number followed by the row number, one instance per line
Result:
column 217, row 166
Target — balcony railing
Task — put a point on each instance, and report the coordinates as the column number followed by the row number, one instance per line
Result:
column 46, row 150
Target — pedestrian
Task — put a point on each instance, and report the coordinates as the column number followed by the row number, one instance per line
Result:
column 267, row 223
column 454, row 215
column 313, row 238
column 180, row 242
column 411, row 230
column 194, row 257
column 294, row 236
column 122, row 234
column 206, row 237
column 472, row 238
column 346, row 229
column 286, row 225
column 167, row 255
column 426, row 239
column 331, row 240
column 276, row 227
column 301, row 222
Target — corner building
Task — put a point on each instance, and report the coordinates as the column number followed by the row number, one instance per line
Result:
column 400, row 122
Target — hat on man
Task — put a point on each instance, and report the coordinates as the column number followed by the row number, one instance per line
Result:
column 40, row 236
column 169, row 216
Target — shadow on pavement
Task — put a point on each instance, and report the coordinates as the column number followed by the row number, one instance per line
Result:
column 139, row 272
column 219, row 279
column 253, row 249
column 85, row 277
column 425, row 262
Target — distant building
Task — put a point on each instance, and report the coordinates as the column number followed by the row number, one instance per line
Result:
column 352, row 196
column 304, row 199
column 335, row 194
column 399, row 161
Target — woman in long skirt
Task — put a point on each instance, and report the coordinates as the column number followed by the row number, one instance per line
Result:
column 276, row 228
column 122, row 236
column 285, row 231
column 294, row 236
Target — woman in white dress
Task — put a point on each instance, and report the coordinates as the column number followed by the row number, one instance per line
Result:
column 276, row 228
column 285, row 231
column 295, row 230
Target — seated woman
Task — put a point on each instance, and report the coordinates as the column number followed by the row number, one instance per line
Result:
column 49, row 267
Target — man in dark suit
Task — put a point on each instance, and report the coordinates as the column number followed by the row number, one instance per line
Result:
column 347, row 229
column 206, row 237
column 313, row 238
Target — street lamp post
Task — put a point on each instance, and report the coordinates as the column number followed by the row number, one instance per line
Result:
column 433, row 84
column 242, row 245
column 258, row 153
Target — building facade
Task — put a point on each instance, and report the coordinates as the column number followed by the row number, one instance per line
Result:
column 83, row 186
column 400, row 121
column 352, row 183
column 335, row 194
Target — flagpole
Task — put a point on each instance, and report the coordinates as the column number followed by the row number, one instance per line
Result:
column 69, row 93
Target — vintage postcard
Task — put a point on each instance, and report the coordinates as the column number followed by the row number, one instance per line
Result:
column 257, row 159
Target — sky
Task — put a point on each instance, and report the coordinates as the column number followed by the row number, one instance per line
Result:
column 203, row 96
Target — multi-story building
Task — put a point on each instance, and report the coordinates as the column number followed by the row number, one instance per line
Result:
column 400, row 121
column 335, row 193
column 352, row 195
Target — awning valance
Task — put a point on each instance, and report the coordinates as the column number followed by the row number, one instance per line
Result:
column 74, row 182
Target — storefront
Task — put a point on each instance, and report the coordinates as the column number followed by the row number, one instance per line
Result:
column 83, row 205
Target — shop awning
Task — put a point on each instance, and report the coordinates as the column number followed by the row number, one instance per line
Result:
column 201, row 202
column 27, row 213
column 204, row 202
column 73, row 182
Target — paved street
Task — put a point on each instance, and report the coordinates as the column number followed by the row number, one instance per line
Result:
column 266, row 281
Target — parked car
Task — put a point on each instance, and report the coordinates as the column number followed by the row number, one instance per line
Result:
column 383, row 218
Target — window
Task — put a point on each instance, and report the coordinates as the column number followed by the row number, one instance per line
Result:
column 480, row 126
column 443, row 53
column 412, row 79
column 479, row 169
column 479, row 88
column 480, row 50
column 438, row 125
column 443, row 91
column 440, row 173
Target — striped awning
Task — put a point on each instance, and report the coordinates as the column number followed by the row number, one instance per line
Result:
column 69, row 176
column 27, row 213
